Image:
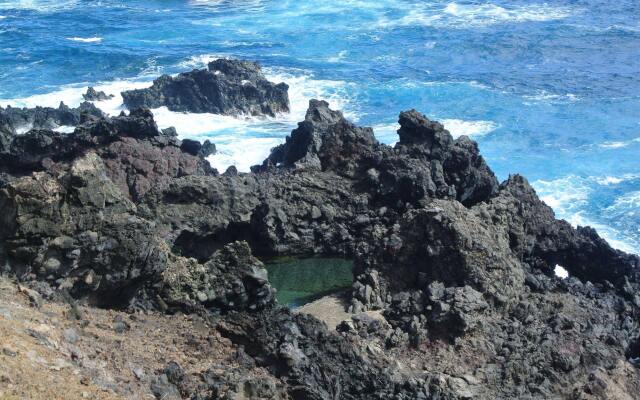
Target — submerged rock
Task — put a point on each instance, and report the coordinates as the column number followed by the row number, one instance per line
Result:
column 227, row 87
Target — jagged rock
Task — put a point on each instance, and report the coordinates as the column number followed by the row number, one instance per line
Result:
column 121, row 215
column 228, row 87
column 325, row 141
column 19, row 120
column 93, row 95
column 136, row 155
column 545, row 242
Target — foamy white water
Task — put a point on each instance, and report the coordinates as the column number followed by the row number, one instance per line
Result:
column 38, row 5
column 94, row 39
column 456, row 16
column 617, row 145
column 458, row 127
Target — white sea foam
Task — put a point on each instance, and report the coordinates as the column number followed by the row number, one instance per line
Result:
column 303, row 86
column 565, row 195
column 628, row 203
column 94, row 39
column 71, row 95
column 65, row 129
column 242, row 152
column 455, row 15
column 2, row 17
column 339, row 57
column 615, row 180
column 609, row 180
column 542, row 96
column 483, row 14
column 458, row 127
column 21, row 130
column 37, row 5
column 200, row 61
column 430, row 45
column 619, row 144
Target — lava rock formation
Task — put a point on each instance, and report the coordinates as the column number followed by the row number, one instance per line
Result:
column 122, row 215
column 227, row 87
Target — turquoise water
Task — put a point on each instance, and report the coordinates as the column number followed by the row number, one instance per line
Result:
column 548, row 89
column 301, row 281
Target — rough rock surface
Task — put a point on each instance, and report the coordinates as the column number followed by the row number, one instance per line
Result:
column 93, row 95
column 19, row 120
column 228, row 87
column 121, row 215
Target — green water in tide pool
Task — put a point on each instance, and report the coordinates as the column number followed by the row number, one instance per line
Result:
column 301, row 281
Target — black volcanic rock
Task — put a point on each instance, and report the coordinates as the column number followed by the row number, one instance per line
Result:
column 93, row 95
column 14, row 120
column 315, row 363
column 228, row 87
column 457, row 270
column 136, row 155
column 325, row 140
column 195, row 148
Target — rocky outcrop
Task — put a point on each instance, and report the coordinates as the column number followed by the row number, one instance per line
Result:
column 227, row 87
column 426, row 162
column 458, row 267
column 93, row 95
column 19, row 120
column 325, row 141
column 136, row 155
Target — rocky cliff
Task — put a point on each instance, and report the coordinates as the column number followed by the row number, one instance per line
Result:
column 460, row 267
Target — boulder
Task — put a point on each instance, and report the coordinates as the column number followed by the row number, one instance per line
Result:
column 227, row 87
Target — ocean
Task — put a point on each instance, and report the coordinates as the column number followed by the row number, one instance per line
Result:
column 550, row 90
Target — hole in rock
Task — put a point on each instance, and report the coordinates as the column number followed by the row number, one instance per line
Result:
column 561, row 272
column 299, row 281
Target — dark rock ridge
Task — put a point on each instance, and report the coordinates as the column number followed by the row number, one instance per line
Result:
column 227, row 87
column 93, row 95
column 461, row 268
column 13, row 120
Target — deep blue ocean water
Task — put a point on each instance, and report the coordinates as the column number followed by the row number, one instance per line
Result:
column 550, row 90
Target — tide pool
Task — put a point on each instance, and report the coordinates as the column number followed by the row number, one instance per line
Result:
column 301, row 281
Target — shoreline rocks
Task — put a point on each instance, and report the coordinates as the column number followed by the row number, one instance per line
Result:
column 227, row 87
column 122, row 215
column 93, row 95
column 19, row 120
